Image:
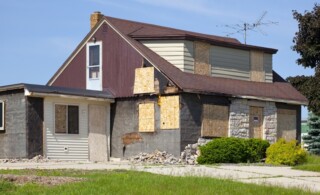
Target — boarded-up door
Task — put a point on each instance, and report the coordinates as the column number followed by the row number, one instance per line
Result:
column 286, row 122
column 256, row 122
column 97, row 133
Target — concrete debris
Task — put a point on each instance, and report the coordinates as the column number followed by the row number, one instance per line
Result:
column 156, row 157
column 37, row 159
column 188, row 156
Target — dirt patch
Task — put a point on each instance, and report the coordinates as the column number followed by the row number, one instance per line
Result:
column 42, row 180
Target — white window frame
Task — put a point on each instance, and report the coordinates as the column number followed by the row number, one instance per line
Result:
column 3, row 112
column 67, row 127
column 100, row 65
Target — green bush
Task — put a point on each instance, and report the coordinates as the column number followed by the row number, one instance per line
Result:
column 286, row 153
column 232, row 150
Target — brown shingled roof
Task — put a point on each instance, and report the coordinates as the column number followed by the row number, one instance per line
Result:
column 279, row 90
column 144, row 31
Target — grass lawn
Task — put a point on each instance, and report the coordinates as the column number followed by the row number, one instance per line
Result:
column 312, row 164
column 131, row 182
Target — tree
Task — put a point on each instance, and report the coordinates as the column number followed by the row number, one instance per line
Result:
column 307, row 39
column 307, row 44
column 313, row 137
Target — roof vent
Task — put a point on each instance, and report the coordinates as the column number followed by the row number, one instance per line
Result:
column 95, row 18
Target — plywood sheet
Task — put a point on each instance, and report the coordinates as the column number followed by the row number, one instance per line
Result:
column 257, row 68
column 256, row 122
column 144, row 80
column 202, row 58
column 60, row 118
column 169, row 112
column 146, row 117
column 215, row 120
column 286, row 120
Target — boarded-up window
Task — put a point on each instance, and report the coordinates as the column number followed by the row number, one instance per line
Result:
column 257, row 68
column 144, row 80
column 215, row 121
column 1, row 115
column 146, row 117
column 66, row 119
column 169, row 112
column 202, row 58
column 286, row 123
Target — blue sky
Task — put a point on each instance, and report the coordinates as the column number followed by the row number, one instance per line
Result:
column 37, row 36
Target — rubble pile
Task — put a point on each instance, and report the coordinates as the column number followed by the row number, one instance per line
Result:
column 188, row 156
column 156, row 157
column 36, row 159
column 191, row 152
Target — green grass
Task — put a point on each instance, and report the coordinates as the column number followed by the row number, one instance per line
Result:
column 131, row 182
column 312, row 164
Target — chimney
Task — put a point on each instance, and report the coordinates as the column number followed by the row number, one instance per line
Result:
column 95, row 18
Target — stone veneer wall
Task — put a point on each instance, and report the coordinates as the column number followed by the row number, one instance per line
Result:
column 239, row 119
column 270, row 122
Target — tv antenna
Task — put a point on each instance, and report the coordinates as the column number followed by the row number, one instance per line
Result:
column 244, row 27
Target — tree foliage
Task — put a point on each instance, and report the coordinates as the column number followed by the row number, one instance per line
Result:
column 307, row 39
column 307, row 44
column 313, row 137
column 309, row 86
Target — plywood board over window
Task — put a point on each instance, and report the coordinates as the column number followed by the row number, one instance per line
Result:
column 202, row 58
column 169, row 112
column 256, row 122
column 214, row 120
column 257, row 68
column 287, row 127
column 146, row 117
column 144, row 80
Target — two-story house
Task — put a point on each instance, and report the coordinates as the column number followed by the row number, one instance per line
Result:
column 169, row 87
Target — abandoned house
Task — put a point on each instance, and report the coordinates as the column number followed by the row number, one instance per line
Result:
column 133, row 87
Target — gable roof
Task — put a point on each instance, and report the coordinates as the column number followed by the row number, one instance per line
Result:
column 279, row 90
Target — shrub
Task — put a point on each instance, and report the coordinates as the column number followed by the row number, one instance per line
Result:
column 286, row 153
column 232, row 150
column 256, row 149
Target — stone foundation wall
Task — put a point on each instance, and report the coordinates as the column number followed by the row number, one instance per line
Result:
column 239, row 119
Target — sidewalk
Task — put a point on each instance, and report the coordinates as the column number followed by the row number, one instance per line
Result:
column 279, row 176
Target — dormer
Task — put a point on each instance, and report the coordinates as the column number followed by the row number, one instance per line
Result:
column 242, row 62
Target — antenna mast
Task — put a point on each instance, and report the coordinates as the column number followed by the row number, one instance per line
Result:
column 245, row 26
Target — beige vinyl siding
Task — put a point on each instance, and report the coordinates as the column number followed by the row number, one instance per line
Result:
column 230, row 63
column 267, row 63
column 77, row 144
column 177, row 52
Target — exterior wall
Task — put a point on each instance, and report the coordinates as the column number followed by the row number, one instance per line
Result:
column 239, row 119
column 13, row 140
column 34, row 126
column 178, row 52
column 77, row 145
column 191, row 115
column 230, row 63
column 119, row 62
column 126, row 140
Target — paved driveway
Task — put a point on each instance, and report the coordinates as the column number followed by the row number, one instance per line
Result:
column 279, row 176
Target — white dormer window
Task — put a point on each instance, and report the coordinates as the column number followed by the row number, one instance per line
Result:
column 1, row 115
column 94, row 66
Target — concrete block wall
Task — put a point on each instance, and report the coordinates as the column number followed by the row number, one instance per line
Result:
column 124, row 124
column 13, row 141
